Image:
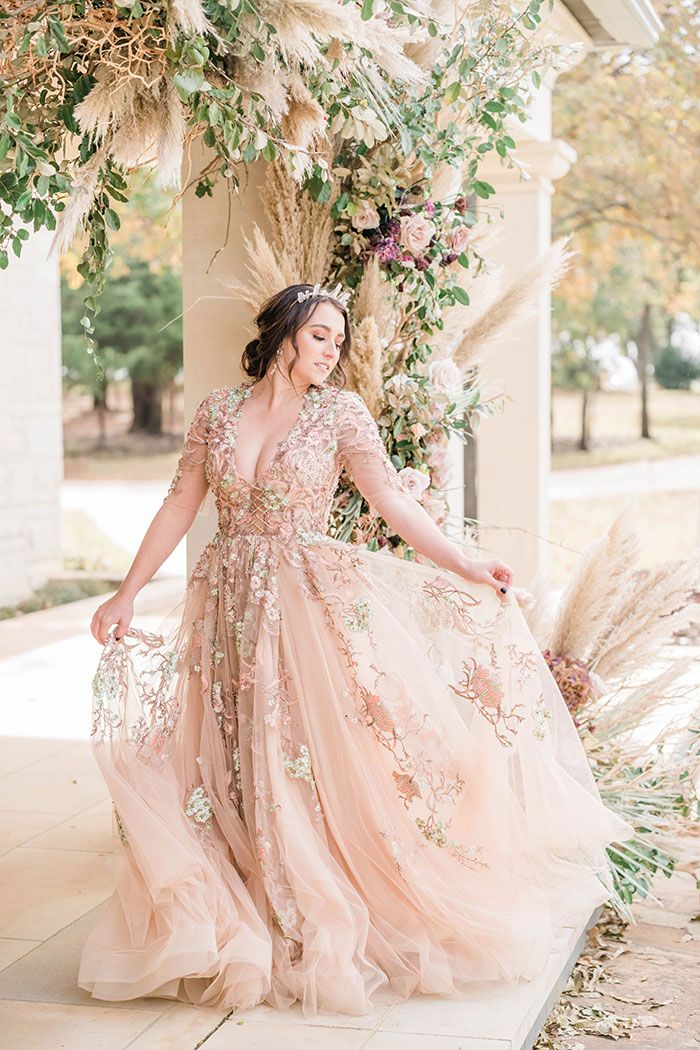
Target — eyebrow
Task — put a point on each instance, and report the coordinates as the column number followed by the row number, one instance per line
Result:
column 317, row 324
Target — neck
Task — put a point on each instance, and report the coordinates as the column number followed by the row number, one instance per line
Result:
column 279, row 388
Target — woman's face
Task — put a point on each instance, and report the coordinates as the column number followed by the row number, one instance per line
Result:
column 319, row 341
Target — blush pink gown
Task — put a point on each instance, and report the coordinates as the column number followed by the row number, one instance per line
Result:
column 341, row 771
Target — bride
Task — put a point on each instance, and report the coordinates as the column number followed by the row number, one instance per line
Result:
column 340, row 771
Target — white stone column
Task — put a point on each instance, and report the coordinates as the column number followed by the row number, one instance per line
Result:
column 216, row 324
column 31, row 436
column 513, row 448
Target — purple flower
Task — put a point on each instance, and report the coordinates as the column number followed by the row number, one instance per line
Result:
column 429, row 208
column 448, row 257
column 387, row 249
column 422, row 263
column 461, row 204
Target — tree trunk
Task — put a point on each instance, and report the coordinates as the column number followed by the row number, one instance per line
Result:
column 644, row 355
column 148, row 408
column 99, row 405
column 584, row 443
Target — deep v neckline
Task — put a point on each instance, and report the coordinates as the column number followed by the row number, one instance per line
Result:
column 247, row 390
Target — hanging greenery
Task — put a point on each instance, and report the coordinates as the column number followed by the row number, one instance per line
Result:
column 90, row 91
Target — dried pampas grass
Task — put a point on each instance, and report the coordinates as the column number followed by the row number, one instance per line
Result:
column 302, row 229
column 264, row 79
column 515, row 305
column 299, row 248
column 651, row 608
column 373, row 299
column 301, row 25
column 594, row 588
column 170, row 137
column 81, row 200
column 364, row 366
column 189, row 16
column 304, row 122
column 269, row 272
column 142, row 114
column 450, row 15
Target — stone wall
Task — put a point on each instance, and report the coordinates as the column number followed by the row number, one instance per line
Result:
column 31, row 441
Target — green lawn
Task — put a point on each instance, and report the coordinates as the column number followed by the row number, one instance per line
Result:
column 614, row 428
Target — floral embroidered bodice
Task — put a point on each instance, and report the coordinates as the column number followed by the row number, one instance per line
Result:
column 290, row 500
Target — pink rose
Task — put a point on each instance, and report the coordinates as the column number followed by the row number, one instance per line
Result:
column 459, row 239
column 416, row 232
column 367, row 218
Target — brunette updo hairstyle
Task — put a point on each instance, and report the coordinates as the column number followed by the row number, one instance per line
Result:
column 281, row 316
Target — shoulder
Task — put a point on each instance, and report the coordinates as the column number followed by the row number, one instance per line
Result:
column 350, row 401
column 219, row 400
column 212, row 409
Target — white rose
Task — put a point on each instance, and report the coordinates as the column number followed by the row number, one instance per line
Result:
column 413, row 481
column 445, row 377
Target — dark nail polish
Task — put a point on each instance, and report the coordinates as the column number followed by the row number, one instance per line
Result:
column 504, row 590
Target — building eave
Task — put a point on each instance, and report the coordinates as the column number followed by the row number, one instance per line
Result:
column 617, row 23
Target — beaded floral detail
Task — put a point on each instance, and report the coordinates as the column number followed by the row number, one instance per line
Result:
column 359, row 615
column 150, row 731
column 541, row 714
column 121, row 830
column 300, row 766
column 198, row 806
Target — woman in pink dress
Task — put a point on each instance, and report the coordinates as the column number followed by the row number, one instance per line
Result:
column 341, row 771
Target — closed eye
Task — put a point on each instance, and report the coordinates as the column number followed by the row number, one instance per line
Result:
column 322, row 339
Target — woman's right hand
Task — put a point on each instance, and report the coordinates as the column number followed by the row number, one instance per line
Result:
column 118, row 609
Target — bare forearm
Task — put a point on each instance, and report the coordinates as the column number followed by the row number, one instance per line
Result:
column 414, row 525
column 164, row 533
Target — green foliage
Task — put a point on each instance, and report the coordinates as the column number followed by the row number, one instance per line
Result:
column 674, row 369
column 632, row 200
column 51, row 59
column 136, row 307
column 574, row 366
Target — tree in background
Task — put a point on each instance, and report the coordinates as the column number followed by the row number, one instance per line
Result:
column 576, row 367
column 144, row 295
column 633, row 198
column 136, row 308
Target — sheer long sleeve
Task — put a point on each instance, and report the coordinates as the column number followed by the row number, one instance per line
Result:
column 179, row 507
column 189, row 483
column 362, row 453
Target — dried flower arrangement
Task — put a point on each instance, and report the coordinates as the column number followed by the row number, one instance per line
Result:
column 400, row 227
column 607, row 644
column 89, row 92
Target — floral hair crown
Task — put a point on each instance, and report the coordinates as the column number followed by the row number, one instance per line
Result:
column 334, row 293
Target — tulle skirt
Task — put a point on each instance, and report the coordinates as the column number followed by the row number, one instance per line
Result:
column 339, row 772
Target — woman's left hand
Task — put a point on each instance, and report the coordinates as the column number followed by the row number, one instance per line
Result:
column 491, row 571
